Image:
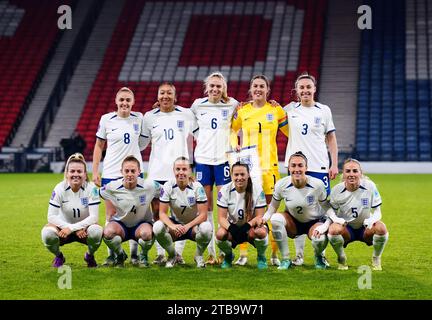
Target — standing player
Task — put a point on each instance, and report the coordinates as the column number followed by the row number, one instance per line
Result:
column 131, row 216
column 241, row 204
column 311, row 131
column 260, row 122
column 73, row 213
column 188, row 203
column 120, row 131
column 213, row 114
column 304, row 196
column 357, row 203
column 169, row 128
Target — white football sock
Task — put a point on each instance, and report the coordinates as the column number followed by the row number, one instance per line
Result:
column 261, row 245
column 51, row 240
column 319, row 244
column 337, row 242
column 299, row 244
column 145, row 245
column 179, row 246
column 164, row 238
column 160, row 251
column 280, row 235
column 114, row 244
column 110, row 252
column 212, row 245
column 379, row 242
column 203, row 237
column 94, row 237
column 133, row 247
column 225, row 246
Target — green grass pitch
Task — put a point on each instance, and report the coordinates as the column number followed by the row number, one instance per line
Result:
column 26, row 272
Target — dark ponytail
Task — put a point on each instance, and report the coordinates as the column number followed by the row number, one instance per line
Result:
column 248, row 192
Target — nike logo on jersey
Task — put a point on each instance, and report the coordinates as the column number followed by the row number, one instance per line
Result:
column 203, row 113
column 287, row 200
column 155, row 126
column 246, row 119
column 114, row 129
column 294, row 117
column 65, row 201
column 118, row 199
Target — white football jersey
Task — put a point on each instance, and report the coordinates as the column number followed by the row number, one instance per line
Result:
column 169, row 133
column 355, row 206
column 74, row 210
column 308, row 127
column 303, row 204
column 214, row 123
column 229, row 198
column 132, row 206
column 122, row 137
column 183, row 203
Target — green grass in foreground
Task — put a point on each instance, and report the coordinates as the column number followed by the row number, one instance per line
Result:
column 26, row 272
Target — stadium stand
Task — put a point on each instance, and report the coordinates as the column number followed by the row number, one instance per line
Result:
column 27, row 40
column 227, row 36
column 394, row 103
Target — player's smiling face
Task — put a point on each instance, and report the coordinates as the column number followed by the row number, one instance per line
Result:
column 182, row 172
column 130, row 172
column 297, row 169
column 76, row 174
column 306, row 90
column 240, row 177
column 214, row 89
column 352, row 174
column 166, row 97
column 259, row 90
column 124, row 100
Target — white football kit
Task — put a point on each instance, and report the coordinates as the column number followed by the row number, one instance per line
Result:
column 229, row 198
column 303, row 204
column 122, row 137
column 132, row 206
column 183, row 203
column 355, row 206
column 214, row 123
column 169, row 133
column 74, row 210
column 308, row 127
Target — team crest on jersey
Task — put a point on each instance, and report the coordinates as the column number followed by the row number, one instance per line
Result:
column 317, row 121
column 365, row 202
column 224, row 114
column 180, row 124
column 53, row 194
column 199, row 175
column 191, row 200
column 269, row 117
column 136, row 127
column 142, row 199
column 161, row 192
column 84, row 201
column 310, row 200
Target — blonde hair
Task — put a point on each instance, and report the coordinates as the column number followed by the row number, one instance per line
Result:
column 358, row 163
column 76, row 158
column 125, row 89
column 219, row 75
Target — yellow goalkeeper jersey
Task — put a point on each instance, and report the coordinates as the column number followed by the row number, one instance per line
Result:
column 259, row 127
